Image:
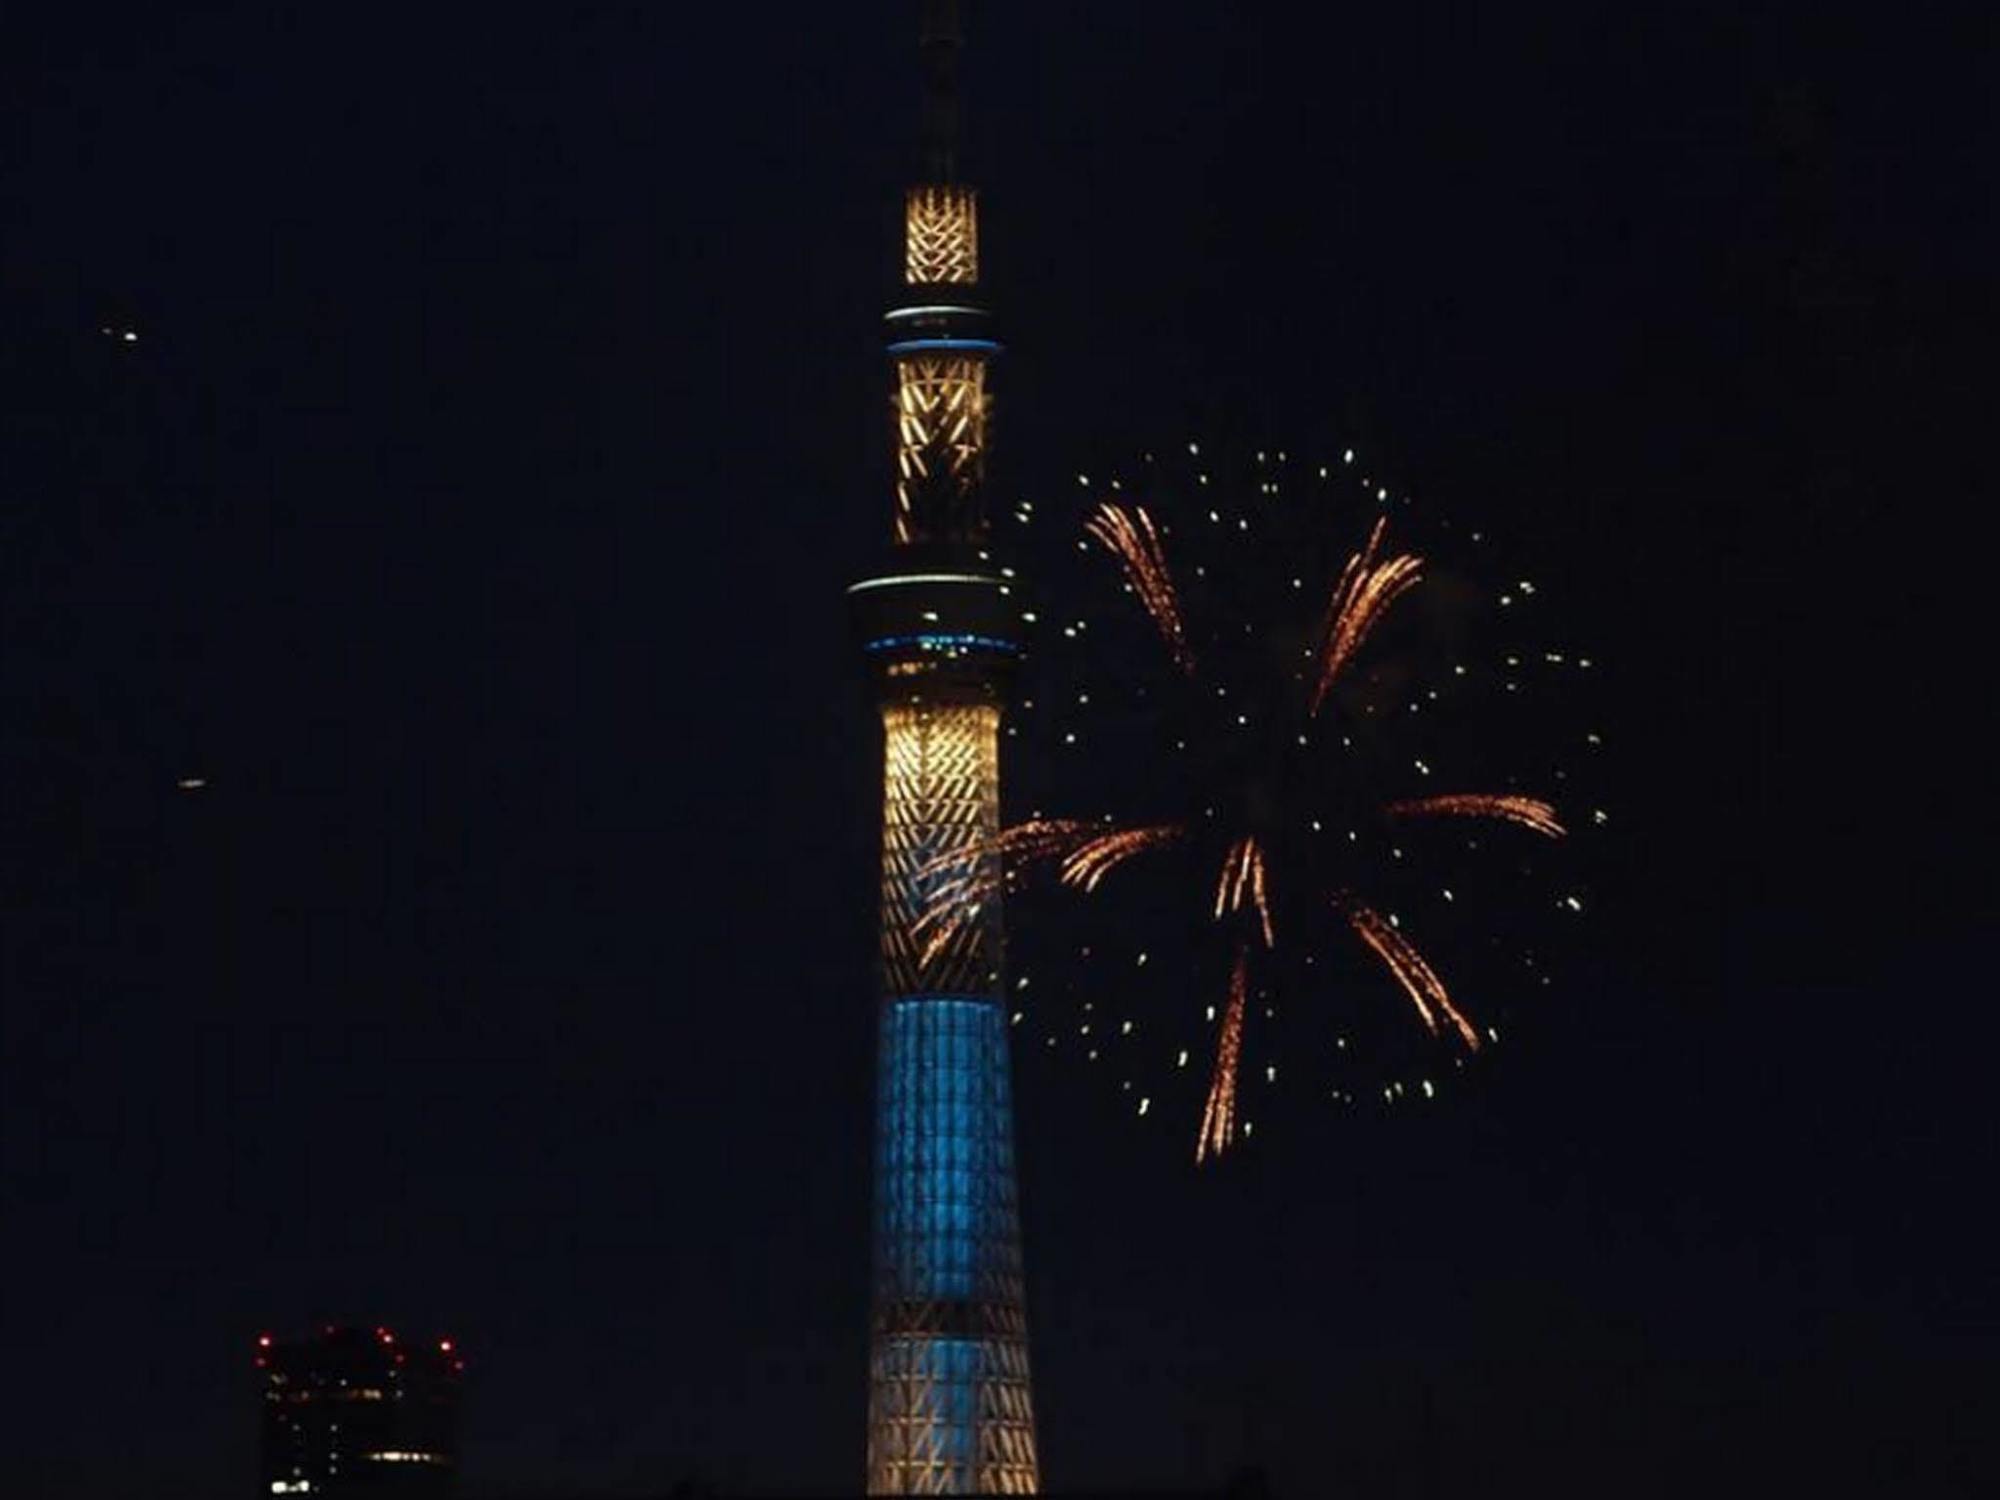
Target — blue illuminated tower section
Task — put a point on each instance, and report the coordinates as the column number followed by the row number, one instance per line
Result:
column 949, row 1408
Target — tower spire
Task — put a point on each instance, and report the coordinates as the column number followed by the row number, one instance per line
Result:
column 941, row 40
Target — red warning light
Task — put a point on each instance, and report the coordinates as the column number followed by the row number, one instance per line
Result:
column 444, row 1346
column 263, row 1341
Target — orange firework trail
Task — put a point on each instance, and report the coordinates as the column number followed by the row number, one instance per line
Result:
column 1043, row 838
column 1083, row 868
column 1418, row 979
column 981, row 870
column 951, row 910
column 984, row 870
column 1365, row 591
column 1131, row 537
column 1242, row 877
column 973, row 875
column 941, row 938
column 1016, row 847
column 1218, row 1117
column 1528, row 812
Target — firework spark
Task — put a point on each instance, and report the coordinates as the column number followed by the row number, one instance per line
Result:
column 1043, row 838
column 1418, row 979
column 1218, row 1117
column 1363, row 594
column 1084, row 867
column 1132, row 538
column 1528, row 812
column 989, row 862
column 981, row 870
column 986, row 868
column 1241, row 878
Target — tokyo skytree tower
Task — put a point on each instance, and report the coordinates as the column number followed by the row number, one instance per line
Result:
column 949, row 1408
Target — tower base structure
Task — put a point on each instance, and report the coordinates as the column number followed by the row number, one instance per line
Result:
column 949, row 1409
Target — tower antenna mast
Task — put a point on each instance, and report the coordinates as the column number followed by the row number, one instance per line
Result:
column 941, row 41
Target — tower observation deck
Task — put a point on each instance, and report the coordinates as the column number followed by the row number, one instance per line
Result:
column 949, row 1408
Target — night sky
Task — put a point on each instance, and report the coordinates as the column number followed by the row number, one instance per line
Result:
column 471, row 514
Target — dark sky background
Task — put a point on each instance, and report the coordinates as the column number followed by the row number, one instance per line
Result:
column 472, row 511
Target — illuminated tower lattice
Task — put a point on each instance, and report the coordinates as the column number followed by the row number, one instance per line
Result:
column 949, row 1411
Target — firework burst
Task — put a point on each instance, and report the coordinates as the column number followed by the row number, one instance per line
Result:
column 1314, row 655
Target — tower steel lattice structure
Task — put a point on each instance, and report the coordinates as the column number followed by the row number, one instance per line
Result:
column 949, row 1405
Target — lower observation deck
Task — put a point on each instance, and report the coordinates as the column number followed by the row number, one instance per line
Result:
column 943, row 614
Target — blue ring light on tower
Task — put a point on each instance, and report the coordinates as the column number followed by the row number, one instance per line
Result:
column 920, row 346
column 945, row 643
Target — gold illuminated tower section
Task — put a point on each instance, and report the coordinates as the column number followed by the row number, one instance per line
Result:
column 949, row 1408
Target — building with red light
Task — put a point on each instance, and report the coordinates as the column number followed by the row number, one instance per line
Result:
column 356, row 1411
